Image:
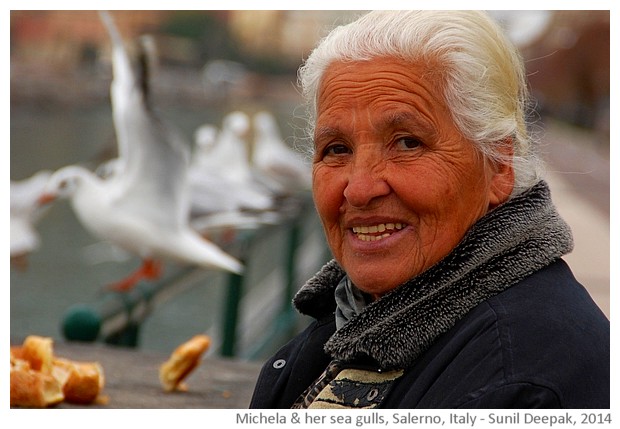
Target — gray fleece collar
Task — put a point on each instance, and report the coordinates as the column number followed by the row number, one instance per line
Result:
column 508, row 244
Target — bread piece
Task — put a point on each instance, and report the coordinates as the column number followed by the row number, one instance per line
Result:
column 38, row 379
column 38, row 351
column 81, row 381
column 17, row 353
column 34, row 389
column 182, row 362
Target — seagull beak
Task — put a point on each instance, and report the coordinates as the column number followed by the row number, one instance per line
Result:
column 45, row 199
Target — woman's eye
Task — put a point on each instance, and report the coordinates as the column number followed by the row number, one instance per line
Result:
column 408, row 143
column 336, row 149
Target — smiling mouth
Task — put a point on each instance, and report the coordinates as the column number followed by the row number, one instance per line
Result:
column 376, row 232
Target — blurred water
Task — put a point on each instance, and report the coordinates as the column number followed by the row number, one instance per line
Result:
column 62, row 272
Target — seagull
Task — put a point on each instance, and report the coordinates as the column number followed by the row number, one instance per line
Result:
column 209, row 191
column 224, row 197
column 220, row 174
column 25, row 213
column 282, row 166
column 228, row 154
column 142, row 206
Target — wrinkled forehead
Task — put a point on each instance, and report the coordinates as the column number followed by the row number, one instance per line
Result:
column 379, row 76
column 392, row 87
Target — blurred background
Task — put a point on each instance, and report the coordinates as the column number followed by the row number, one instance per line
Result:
column 213, row 62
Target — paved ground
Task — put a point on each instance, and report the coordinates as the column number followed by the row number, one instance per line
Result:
column 132, row 380
column 579, row 180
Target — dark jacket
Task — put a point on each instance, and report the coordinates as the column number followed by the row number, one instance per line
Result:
column 500, row 322
column 511, row 351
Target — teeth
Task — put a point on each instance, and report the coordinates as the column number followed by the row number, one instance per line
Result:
column 372, row 237
column 377, row 228
column 362, row 231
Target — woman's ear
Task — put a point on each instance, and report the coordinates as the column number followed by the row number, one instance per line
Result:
column 502, row 181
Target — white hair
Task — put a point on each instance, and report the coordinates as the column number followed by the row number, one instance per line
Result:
column 470, row 59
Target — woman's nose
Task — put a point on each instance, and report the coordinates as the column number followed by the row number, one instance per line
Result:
column 366, row 181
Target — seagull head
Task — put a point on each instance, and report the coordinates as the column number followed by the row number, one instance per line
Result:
column 63, row 183
column 265, row 121
column 237, row 122
column 205, row 136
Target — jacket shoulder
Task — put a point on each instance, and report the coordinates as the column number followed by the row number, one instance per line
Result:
column 294, row 367
column 553, row 334
column 541, row 343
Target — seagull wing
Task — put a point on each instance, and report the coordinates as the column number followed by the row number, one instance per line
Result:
column 123, row 83
column 154, row 182
column 154, row 156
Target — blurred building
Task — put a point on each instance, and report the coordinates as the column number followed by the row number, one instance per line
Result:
column 69, row 39
column 289, row 33
column 569, row 68
column 566, row 52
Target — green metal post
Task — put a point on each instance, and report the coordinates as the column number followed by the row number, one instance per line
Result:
column 231, row 314
column 291, row 275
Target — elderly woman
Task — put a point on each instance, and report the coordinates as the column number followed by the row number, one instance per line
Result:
column 447, row 288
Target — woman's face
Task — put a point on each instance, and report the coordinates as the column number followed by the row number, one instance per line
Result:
column 395, row 183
